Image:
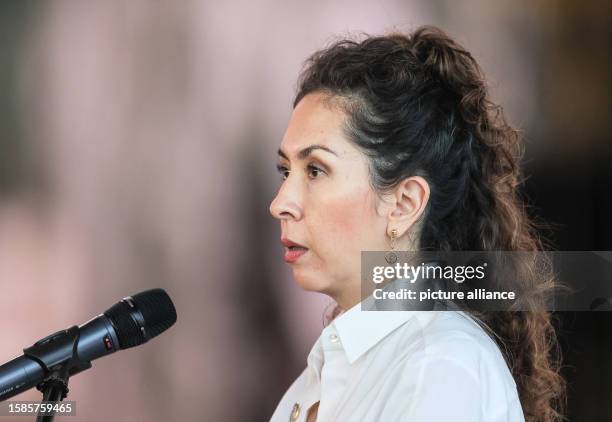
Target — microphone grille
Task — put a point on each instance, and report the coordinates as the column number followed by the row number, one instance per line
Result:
column 157, row 310
column 152, row 309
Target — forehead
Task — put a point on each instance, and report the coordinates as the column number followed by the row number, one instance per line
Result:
column 316, row 120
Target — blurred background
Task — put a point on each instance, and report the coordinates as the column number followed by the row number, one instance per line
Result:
column 137, row 150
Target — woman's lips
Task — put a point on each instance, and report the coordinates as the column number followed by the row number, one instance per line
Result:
column 292, row 254
column 293, row 250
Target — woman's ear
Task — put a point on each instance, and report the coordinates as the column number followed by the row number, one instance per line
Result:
column 410, row 199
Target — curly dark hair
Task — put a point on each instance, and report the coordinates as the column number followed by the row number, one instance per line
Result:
column 418, row 104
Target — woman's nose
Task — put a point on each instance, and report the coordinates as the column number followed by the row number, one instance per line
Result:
column 285, row 205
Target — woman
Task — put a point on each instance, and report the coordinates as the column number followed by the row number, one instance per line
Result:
column 393, row 143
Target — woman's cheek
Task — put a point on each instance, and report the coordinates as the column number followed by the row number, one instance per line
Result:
column 344, row 223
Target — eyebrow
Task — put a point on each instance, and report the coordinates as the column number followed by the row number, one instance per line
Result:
column 307, row 151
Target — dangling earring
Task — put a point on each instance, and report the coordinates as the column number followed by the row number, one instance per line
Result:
column 391, row 256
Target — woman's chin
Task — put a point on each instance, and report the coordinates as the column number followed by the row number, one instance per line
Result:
column 310, row 283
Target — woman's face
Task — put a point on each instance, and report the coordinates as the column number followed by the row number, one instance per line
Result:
column 325, row 202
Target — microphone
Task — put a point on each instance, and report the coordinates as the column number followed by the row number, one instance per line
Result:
column 132, row 321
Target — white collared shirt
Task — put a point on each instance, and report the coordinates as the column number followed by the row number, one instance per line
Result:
column 412, row 366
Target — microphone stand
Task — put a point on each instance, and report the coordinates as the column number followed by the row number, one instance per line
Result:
column 54, row 386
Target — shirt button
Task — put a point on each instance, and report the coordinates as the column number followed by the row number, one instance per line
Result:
column 295, row 413
column 334, row 338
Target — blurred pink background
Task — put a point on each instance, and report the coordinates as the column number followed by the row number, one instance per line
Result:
column 139, row 152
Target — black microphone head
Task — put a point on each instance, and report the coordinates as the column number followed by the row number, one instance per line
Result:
column 157, row 310
column 141, row 317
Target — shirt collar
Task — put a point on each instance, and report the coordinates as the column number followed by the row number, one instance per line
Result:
column 361, row 329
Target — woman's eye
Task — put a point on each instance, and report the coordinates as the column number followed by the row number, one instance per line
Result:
column 284, row 171
column 314, row 170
